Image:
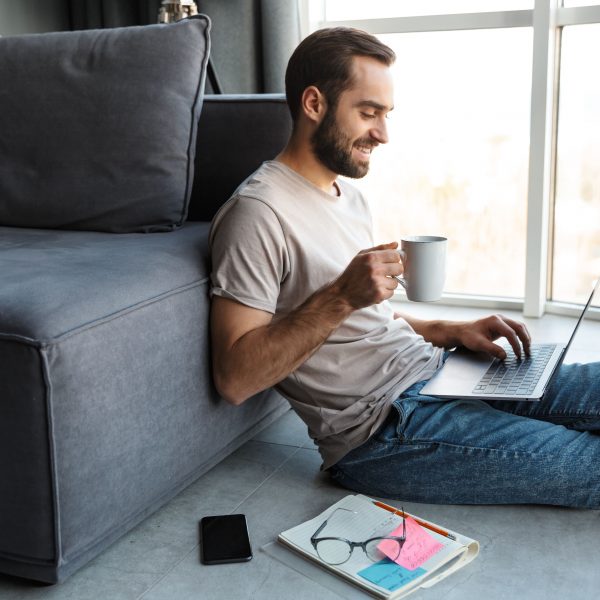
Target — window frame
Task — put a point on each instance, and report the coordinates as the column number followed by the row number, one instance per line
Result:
column 547, row 18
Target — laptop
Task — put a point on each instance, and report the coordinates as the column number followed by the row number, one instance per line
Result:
column 467, row 374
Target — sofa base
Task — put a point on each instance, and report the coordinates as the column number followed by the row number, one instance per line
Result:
column 51, row 574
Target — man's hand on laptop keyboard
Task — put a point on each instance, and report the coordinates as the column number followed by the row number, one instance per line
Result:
column 479, row 335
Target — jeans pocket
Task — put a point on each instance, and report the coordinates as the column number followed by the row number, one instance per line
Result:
column 405, row 407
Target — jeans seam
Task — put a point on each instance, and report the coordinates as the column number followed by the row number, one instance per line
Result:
column 552, row 415
column 514, row 452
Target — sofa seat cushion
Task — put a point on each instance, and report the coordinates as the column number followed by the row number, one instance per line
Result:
column 55, row 283
column 99, row 126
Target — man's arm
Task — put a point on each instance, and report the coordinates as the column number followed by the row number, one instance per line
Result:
column 252, row 351
column 478, row 335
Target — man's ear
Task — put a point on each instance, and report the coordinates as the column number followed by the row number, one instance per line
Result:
column 313, row 104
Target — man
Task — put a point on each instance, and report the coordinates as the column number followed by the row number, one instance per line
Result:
column 300, row 302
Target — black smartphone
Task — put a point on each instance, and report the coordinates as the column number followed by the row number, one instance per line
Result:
column 224, row 539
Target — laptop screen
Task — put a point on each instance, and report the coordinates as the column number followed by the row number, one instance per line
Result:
column 585, row 309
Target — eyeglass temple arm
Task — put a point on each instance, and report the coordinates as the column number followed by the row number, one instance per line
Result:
column 318, row 531
column 313, row 537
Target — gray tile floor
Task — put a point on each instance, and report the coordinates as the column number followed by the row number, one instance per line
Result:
column 527, row 552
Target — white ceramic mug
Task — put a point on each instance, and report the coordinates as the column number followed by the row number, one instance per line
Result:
column 424, row 261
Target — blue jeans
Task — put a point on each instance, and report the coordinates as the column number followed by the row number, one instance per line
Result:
column 486, row 452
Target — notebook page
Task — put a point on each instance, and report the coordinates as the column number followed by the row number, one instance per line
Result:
column 360, row 521
column 365, row 521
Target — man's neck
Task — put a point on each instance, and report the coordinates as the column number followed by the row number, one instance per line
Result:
column 305, row 163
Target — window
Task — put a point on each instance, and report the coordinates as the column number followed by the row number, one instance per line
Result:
column 569, row 3
column 485, row 144
column 344, row 10
column 576, row 253
column 456, row 164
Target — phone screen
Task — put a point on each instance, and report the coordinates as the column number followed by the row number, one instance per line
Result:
column 224, row 539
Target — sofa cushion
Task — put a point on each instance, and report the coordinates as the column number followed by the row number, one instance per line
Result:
column 56, row 283
column 99, row 126
column 224, row 158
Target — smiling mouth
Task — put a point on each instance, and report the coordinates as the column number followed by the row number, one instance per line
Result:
column 364, row 150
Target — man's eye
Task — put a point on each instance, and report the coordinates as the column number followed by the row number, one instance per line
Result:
column 368, row 115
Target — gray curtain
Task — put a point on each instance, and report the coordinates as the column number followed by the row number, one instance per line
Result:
column 252, row 40
column 97, row 14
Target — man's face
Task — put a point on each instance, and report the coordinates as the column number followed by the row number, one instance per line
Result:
column 347, row 134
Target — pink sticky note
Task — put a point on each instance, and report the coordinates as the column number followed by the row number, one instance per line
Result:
column 418, row 547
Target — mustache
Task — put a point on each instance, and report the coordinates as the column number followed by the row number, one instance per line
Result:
column 366, row 142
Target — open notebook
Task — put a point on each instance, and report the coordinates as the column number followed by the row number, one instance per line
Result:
column 429, row 554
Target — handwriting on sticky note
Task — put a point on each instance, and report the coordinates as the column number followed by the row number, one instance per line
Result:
column 389, row 575
column 418, row 547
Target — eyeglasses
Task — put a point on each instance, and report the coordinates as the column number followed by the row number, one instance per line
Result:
column 336, row 550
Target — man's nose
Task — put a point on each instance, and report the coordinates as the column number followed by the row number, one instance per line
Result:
column 380, row 133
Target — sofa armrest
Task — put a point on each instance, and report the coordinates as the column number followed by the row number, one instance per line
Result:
column 236, row 134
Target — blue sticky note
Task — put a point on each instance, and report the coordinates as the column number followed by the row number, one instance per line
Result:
column 390, row 575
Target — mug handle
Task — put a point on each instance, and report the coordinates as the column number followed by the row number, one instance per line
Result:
column 399, row 279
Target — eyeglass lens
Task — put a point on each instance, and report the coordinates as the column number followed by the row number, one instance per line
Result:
column 393, row 548
column 334, row 552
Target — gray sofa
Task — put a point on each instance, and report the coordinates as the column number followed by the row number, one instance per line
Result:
column 111, row 166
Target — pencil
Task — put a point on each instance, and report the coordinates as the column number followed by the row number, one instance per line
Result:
column 421, row 523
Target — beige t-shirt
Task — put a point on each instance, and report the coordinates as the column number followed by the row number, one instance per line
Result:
column 273, row 244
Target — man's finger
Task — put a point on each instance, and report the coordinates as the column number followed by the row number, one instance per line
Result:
column 391, row 283
column 393, row 269
column 523, row 333
column 389, row 256
column 508, row 332
column 513, row 340
column 382, row 256
column 388, row 246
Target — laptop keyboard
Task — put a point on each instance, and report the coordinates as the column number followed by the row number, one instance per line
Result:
column 515, row 376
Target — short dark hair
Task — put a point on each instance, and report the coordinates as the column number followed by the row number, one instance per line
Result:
column 324, row 59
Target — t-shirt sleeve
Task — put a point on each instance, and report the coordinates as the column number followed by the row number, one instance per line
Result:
column 249, row 255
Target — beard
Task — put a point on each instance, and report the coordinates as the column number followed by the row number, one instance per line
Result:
column 334, row 149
